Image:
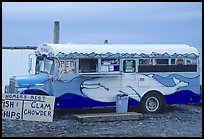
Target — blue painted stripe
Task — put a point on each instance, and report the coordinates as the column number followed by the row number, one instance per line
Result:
column 69, row 100
column 182, row 97
column 33, row 91
column 133, row 102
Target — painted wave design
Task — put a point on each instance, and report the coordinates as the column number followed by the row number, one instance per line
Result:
column 78, row 99
column 193, row 83
column 69, row 100
column 168, row 80
column 182, row 97
column 73, row 86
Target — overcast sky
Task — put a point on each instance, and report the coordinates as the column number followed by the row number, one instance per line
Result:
column 31, row 23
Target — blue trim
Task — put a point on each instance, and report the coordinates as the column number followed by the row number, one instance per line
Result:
column 121, row 55
column 193, row 83
column 133, row 102
column 182, row 97
column 168, row 80
column 69, row 100
column 31, row 80
column 29, row 91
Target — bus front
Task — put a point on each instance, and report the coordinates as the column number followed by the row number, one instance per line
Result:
column 42, row 69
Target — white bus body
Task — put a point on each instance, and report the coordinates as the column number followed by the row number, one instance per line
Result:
column 91, row 75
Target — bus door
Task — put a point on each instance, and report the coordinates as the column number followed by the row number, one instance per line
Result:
column 129, row 79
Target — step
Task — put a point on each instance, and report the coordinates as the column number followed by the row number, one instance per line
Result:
column 103, row 117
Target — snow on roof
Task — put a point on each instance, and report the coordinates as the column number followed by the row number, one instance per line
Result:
column 118, row 48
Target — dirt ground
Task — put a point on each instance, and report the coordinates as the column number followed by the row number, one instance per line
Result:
column 176, row 121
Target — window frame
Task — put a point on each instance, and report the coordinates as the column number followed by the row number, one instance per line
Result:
column 155, row 63
column 174, row 61
column 151, row 59
column 180, row 61
column 64, row 65
column 191, row 58
column 83, row 71
column 109, row 65
column 134, row 65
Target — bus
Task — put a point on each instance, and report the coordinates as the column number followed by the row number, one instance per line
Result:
column 92, row 75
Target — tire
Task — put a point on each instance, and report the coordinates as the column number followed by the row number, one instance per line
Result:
column 152, row 102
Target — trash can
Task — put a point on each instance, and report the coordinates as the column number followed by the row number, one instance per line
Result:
column 121, row 103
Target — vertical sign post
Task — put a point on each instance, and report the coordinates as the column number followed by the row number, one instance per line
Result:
column 56, row 32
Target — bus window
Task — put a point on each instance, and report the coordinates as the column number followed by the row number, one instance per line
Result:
column 110, row 65
column 70, row 66
column 145, row 61
column 88, row 65
column 191, row 61
column 161, row 61
column 66, row 66
column 61, row 66
column 180, row 61
column 173, row 62
column 129, row 66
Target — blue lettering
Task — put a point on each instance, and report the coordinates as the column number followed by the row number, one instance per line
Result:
column 39, row 98
column 34, row 104
column 45, row 113
column 8, row 104
column 9, row 114
column 49, row 113
column 13, row 114
column 48, row 106
column 27, row 112
column 15, row 96
column 36, row 112
column 24, row 112
column 41, row 113
column 6, row 113
column 18, row 115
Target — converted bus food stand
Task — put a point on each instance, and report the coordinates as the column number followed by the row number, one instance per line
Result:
column 91, row 75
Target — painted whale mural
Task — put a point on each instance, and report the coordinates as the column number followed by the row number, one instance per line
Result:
column 106, row 89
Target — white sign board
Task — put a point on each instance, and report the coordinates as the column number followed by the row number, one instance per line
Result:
column 28, row 107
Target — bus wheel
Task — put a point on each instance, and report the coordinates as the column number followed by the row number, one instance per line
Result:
column 152, row 103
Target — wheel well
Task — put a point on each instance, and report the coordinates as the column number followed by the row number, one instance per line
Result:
column 35, row 92
column 155, row 92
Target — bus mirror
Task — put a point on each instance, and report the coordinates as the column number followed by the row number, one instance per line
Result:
column 31, row 64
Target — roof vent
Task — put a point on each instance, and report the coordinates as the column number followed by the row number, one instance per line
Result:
column 106, row 42
column 44, row 44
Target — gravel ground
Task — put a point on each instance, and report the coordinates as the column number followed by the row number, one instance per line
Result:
column 176, row 121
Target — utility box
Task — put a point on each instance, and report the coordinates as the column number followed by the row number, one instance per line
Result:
column 121, row 103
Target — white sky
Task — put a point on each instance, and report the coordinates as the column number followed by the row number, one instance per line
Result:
column 31, row 23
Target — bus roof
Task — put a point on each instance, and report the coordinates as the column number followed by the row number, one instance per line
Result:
column 148, row 49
